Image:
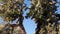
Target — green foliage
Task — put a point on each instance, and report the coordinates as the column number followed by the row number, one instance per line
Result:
column 41, row 7
column 43, row 13
column 11, row 9
column 48, row 29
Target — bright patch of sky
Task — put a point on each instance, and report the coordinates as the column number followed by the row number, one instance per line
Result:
column 58, row 8
column 1, row 20
column 28, row 23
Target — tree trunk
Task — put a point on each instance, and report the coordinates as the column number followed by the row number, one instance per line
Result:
column 21, row 24
column 22, row 29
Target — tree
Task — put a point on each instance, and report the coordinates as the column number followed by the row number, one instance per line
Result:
column 12, row 10
column 43, row 12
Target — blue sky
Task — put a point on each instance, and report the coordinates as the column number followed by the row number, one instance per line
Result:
column 29, row 26
column 58, row 9
column 28, row 23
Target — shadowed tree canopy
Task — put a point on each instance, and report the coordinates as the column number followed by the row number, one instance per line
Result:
column 43, row 13
column 11, row 10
